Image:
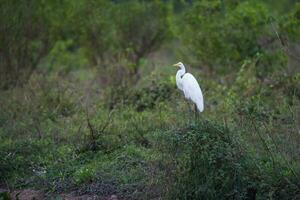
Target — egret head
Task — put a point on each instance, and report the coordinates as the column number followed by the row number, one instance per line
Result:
column 180, row 65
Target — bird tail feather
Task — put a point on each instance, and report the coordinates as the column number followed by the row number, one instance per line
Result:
column 200, row 107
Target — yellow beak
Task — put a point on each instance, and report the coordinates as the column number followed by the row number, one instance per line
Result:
column 175, row 65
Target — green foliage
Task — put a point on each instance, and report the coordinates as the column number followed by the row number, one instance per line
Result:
column 64, row 58
column 218, row 166
column 73, row 33
column 291, row 23
column 97, row 111
column 214, row 168
column 225, row 34
column 143, row 97
column 136, row 39
column 97, row 32
column 25, row 28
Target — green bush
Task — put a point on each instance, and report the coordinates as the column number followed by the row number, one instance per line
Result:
column 290, row 24
column 214, row 167
column 63, row 58
column 144, row 97
column 135, row 39
column 217, row 165
column 25, row 28
column 97, row 31
column 223, row 35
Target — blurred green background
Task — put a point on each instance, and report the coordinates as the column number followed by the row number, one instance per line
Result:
column 89, row 104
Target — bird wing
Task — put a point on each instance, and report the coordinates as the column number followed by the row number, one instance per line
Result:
column 192, row 90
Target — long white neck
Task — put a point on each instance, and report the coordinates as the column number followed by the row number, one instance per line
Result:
column 179, row 75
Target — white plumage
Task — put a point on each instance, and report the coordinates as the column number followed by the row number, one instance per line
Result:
column 190, row 87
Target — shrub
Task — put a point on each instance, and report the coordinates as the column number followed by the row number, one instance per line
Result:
column 135, row 39
column 213, row 167
column 217, row 165
column 144, row 97
column 25, row 39
column 225, row 34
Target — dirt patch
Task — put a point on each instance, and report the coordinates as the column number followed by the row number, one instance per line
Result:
column 27, row 194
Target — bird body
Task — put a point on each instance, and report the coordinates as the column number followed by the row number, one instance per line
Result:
column 190, row 87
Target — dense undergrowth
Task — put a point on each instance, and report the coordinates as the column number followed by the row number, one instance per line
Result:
column 60, row 136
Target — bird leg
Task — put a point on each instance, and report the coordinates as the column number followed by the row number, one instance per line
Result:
column 190, row 109
column 195, row 112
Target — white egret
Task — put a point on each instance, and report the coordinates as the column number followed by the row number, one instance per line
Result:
column 190, row 87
